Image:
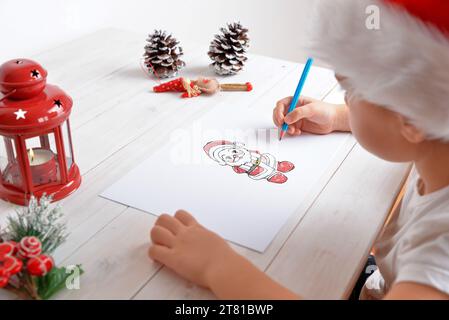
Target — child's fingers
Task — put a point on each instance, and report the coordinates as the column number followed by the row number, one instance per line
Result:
column 296, row 132
column 278, row 113
column 185, row 217
column 162, row 236
column 159, row 253
column 280, row 110
column 285, row 102
column 303, row 100
column 296, row 128
column 276, row 119
column 298, row 114
column 282, row 106
column 170, row 223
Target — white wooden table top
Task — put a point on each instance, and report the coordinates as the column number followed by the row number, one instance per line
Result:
column 117, row 122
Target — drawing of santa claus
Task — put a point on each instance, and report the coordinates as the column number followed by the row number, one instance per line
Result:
column 256, row 165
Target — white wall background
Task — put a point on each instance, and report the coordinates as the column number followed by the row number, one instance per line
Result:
column 31, row 26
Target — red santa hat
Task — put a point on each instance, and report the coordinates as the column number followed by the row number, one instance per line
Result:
column 403, row 65
column 212, row 149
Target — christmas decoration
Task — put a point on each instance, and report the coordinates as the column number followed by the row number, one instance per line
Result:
column 29, row 247
column 37, row 156
column 26, row 245
column 8, row 248
column 39, row 266
column 162, row 55
column 184, row 85
column 228, row 50
column 194, row 88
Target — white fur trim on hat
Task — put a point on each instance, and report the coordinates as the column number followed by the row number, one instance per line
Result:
column 213, row 148
column 403, row 66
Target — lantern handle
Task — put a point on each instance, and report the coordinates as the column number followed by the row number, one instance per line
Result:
column 8, row 94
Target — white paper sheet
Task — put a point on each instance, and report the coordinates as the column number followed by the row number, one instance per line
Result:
column 243, row 210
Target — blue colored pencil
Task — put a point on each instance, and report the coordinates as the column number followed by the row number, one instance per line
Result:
column 295, row 99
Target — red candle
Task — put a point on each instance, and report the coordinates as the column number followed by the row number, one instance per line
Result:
column 43, row 166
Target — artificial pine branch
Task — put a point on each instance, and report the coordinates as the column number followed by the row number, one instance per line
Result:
column 39, row 220
column 45, row 223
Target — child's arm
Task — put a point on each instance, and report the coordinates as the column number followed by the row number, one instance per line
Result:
column 311, row 116
column 206, row 259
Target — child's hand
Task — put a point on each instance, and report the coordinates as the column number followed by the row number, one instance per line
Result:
column 188, row 248
column 204, row 258
column 313, row 116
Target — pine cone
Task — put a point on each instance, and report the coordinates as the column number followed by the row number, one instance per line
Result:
column 162, row 55
column 228, row 50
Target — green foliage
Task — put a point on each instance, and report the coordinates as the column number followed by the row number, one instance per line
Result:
column 43, row 221
column 39, row 220
column 54, row 281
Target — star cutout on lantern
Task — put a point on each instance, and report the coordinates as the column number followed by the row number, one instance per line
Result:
column 20, row 114
column 35, row 74
column 57, row 103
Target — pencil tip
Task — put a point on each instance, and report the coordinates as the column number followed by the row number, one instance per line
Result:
column 281, row 135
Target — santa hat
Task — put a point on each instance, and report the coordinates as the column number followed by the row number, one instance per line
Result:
column 403, row 65
column 212, row 149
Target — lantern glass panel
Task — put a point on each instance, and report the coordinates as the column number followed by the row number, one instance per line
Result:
column 9, row 166
column 43, row 159
column 67, row 138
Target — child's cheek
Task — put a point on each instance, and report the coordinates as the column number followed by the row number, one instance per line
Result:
column 377, row 131
column 362, row 120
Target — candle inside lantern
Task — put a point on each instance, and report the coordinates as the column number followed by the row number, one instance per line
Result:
column 43, row 166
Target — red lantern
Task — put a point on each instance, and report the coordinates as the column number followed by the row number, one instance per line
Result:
column 36, row 154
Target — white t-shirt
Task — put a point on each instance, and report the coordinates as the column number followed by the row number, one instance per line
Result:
column 414, row 247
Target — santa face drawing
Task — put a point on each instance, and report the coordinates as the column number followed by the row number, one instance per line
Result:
column 242, row 160
column 235, row 156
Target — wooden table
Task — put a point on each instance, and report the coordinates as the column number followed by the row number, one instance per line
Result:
column 117, row 122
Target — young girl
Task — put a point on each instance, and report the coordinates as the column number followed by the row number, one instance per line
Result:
column 397, row 83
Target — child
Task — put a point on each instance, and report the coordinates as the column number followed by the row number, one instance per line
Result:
column 397, row 83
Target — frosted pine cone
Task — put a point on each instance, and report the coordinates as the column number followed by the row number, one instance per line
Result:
column 162, row 55
column 228, row 50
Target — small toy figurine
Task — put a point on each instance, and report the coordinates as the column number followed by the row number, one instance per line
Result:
column 194, row 88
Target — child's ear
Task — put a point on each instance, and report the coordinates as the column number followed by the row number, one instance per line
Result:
column 411, row 133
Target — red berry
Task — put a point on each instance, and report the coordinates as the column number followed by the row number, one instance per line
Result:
column 15, row 266
column 3, row 281
column 6, row 249
column 9, row 266
column 39, row 266
column 16, row 247
column 29, row 247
